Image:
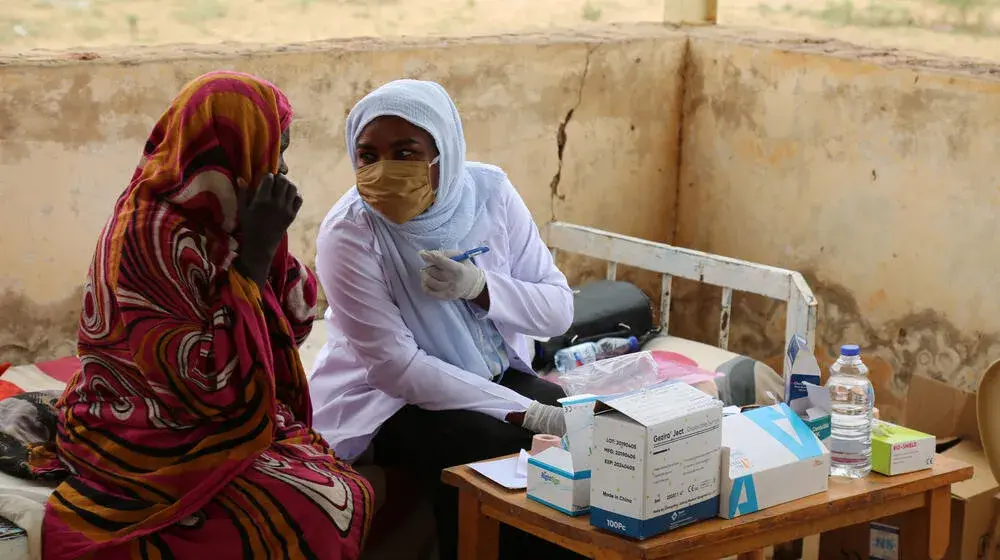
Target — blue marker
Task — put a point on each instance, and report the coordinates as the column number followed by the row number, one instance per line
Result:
column 470, row 253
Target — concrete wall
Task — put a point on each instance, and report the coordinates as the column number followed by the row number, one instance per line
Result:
column 874, row 173
column 568, row 116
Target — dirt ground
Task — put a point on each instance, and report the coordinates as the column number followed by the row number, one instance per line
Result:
column 969, row 28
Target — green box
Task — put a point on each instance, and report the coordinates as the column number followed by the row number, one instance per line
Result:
column 819, row 426
column 900, row 450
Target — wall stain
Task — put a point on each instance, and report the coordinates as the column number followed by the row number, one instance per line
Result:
column 686, row 73
column 736, row 105
column 32, row 332
column 924, row 343
column 26, row 117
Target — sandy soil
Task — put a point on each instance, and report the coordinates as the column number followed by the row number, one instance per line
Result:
column 928, row 25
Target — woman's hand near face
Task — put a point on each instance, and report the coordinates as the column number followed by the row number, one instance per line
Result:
column 264, row 219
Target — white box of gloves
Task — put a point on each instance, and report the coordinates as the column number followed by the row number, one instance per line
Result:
column 656, row 460
column 560, row 478
column 553, row 482
column 769, row 457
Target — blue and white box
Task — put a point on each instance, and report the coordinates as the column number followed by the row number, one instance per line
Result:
column 552, row 481
column 578, row 411
column 769, row 457
column 656, row 460
column 560, row 478
column 801, row 367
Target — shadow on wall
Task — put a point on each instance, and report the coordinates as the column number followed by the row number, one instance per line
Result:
column 923, row 344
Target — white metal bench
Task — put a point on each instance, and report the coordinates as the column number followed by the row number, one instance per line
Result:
column 670, row 262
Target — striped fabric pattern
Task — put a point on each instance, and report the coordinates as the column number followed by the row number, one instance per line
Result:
column 187, row 431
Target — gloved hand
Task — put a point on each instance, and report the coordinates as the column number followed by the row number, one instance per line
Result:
column 446, row 279
column 545, row 419
column 264, row 219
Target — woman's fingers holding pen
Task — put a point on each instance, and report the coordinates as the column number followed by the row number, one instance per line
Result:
column 440, row 258
column 447, row 279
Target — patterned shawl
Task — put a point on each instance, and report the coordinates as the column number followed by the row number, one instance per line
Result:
column 185, row 361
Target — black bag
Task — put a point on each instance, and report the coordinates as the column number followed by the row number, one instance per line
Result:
column 602, row 309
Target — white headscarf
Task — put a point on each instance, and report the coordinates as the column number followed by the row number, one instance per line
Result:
column 427, row 105
column 446, row 330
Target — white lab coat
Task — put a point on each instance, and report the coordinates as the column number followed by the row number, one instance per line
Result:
column 370, row 366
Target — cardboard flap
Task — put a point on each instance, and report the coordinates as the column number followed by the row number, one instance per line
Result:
column 982, row 480
column 657, row 403
column 554, row 458
column 941, row 410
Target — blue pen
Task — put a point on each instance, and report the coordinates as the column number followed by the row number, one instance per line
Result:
column 470, row 253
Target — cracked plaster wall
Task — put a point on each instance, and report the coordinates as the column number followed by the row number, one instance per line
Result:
column 585, row 124
column 872, row 172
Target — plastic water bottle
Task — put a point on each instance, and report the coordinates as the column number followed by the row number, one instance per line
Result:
column 588, row 352
column 852, row 398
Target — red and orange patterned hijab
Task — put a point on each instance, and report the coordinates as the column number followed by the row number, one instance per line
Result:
column 185, row 362
column 223, row 126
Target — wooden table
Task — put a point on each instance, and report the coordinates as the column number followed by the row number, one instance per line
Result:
column 483, row 505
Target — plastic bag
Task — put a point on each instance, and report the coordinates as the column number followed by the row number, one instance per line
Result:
column 612, row 376
column 680, row 371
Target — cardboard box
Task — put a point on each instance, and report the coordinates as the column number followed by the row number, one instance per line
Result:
column 945, row 411
column 769, row 457
column 656, row 460
column 941, row 410
column 579, row 439
column 893, row 538
column 818, row 412
column 972, row 504
column 936, row 408
column 560, row 478
column 803, row 391
column 801, row 367
column 972, row 510
column 899, row 450
column 553, row 482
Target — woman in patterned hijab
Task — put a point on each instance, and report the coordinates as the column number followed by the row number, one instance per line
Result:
column 187, row 433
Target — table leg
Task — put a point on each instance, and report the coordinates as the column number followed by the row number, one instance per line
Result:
column 478, row 535
column 752, row 555
column 939, row 522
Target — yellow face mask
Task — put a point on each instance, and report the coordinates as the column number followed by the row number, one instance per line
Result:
column 399, row 190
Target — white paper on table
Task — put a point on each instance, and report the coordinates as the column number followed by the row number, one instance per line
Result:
column 505, row 472
column 522, row 464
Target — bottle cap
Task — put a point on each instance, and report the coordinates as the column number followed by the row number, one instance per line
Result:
column 850, row 350
column 633, row 343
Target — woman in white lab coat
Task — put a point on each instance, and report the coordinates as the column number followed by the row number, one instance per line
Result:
column 427, row 361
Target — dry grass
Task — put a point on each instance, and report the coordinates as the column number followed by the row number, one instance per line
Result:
column 962, row 27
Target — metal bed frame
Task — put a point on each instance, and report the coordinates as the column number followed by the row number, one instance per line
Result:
column 676, row 262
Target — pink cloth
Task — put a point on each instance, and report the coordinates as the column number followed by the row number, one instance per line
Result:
column 678, row 367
